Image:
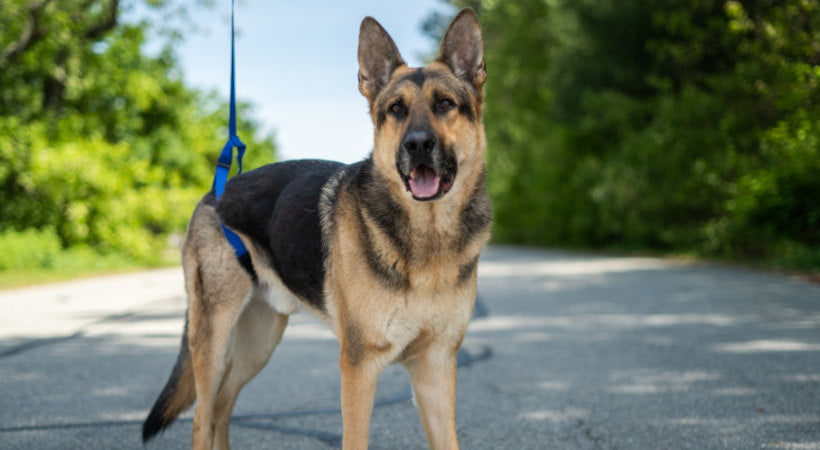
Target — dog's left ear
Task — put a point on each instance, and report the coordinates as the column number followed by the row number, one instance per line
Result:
column 462, row 49
column 378, row 58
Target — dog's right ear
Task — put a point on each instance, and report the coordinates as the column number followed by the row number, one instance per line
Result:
column 378, row 58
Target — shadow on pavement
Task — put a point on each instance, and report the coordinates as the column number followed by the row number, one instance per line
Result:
column 565, row 351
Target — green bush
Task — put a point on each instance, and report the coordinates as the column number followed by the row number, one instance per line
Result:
column 29, row 249
column 775, row 209
column 104, row 152
column 667, row 125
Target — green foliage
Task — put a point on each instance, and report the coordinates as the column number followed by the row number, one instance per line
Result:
column 29, row 249
column 671, row 125
column 103, row 149
column 32, row 252
column 775, row 208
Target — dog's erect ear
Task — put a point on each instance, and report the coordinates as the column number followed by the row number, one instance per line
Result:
column 462, row 49
column 378, row 58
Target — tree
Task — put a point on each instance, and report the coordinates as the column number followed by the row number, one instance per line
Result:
column 686, row 126
column 102, row 145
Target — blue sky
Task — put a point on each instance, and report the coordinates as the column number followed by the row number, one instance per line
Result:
column 296, row 63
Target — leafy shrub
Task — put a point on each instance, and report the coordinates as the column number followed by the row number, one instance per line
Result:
column 29, row 249
column 678, row 126
column 103, row 149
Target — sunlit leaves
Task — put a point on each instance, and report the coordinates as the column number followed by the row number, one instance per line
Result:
column 102, row 147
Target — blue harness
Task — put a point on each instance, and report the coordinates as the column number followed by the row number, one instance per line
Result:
column 226, row 157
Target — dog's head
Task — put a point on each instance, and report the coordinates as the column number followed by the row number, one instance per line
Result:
column 428, row 130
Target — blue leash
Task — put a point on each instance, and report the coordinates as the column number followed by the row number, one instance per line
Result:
column 226, row 157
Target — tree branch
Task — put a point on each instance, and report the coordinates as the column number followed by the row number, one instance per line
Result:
column 31, row 33
column 105, row 25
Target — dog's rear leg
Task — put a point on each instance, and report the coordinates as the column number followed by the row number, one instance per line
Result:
column 257, row 333
column 433, row 376
column 212, row 317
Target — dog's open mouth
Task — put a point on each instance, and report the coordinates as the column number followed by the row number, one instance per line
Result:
column 425, row 184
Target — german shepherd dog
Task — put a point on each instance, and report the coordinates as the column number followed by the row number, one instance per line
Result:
column 384, row 251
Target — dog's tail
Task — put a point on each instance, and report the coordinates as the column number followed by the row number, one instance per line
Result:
column 178, row 394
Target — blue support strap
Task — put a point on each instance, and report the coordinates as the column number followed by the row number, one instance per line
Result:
column 223, row 167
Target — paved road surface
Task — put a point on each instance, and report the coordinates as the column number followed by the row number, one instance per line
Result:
column 567, row 351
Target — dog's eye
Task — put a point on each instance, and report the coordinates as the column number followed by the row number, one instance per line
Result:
column 445, row 104
column 397, row 109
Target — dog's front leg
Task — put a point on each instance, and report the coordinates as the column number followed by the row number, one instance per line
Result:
column 433, row 375
column 360, row 377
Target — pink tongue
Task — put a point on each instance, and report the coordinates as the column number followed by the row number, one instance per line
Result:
column 424, row 182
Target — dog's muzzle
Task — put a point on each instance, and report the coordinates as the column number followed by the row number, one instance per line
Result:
column 427, row 169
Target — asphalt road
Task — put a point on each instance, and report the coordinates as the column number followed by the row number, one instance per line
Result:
column 566, row 350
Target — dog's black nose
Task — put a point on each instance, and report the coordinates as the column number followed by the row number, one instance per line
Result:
column 418, row 143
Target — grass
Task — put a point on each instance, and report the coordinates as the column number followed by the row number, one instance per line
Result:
column 37, row 256
column 77, row 263
column 10, row 279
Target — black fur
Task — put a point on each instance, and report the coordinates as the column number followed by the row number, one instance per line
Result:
column 247, row 264
column 278, row 207
column 465, row 106
column 465, row 271
column 417, row 77
column 381, row 116
column 476, row 215
column 381, row 207
column 389, row 276
column 355, row 343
